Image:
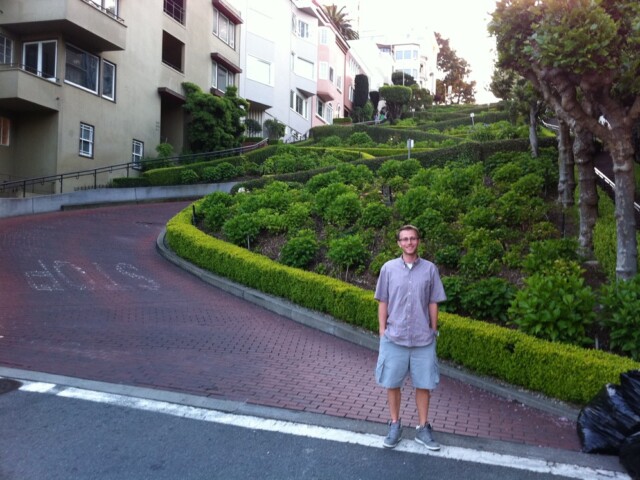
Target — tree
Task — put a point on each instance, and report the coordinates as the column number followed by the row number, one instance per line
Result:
column 396, row 98
column 216, row 122
column 401, row 78
column 360, row 90
column 584, row 56
column 421, row 99
column 453, row 88
column 341, row 22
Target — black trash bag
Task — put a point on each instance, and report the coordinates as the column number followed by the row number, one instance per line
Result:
column 630, row 455
column 606, row 422
column 630, row 387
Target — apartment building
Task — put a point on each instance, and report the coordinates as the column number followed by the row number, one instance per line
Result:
column 85, row 84
column 92, row 83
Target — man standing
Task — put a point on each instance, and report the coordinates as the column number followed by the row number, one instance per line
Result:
column 408, row 292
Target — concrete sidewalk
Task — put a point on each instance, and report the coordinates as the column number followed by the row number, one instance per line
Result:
column 87, row 298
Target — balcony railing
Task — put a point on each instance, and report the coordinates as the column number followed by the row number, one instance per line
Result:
column 175, row 9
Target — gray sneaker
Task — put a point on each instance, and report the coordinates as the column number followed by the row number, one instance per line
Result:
column 424, row 435
column 395, row 434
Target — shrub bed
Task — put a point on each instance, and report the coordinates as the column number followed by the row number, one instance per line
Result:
column 561, row 371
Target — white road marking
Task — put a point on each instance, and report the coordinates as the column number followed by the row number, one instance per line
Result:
column 323, row 433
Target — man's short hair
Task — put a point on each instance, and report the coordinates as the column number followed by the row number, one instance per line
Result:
column 407, row 227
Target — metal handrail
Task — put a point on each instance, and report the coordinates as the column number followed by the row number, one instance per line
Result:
column 612, row 185
column 177, row 160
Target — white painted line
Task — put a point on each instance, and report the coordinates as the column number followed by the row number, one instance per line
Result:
column 324, row 433
column 37, row 387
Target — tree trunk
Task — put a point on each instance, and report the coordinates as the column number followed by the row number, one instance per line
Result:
column 534, row 108
column 584, row 153
column 620, row 146
column 566, row 178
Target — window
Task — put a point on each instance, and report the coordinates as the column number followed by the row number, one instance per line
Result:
column 5, row 131
column 86, row 140
column 221, row 78
column 6, row 50
column 39, row 58
column 172, row 51
column 298, row 103
column 175, row 9
column 259, row 70
column 304, row 68
column 324, row 36
column 137, row 151
column 302, row 29
column 320, row 108
column 322, row 70
column 108, row 80
column 351, row 90
column 331, row 74
column 224, row 29
column 81, row 69
column 108, row 6
column 339, row 82
column 111, row 6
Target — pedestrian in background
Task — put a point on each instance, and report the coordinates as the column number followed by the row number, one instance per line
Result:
column 408, row 292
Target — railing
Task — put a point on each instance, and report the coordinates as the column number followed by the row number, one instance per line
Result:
column 30, row 71
column 175, row 10
column 612, row 186
column 106, row 11
column 52, row 180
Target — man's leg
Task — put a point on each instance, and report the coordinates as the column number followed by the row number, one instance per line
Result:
column 422, row 404
column 394, row 397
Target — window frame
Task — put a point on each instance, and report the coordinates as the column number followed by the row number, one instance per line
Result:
column 84, row 141
column 86, row 55
column 5, row 131
column 113, row 80
column 38, row 70
column 6, row 50
column 230, row 28
column 137, row 156
column 253, row 64
column 299, row 104
column 215, row 75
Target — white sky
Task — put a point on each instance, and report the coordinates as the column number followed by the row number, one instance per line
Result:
column 463, row 22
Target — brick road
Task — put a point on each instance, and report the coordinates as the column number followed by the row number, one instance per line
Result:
column 85, row 294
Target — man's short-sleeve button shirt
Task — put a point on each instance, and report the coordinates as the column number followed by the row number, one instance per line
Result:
column 408, row 291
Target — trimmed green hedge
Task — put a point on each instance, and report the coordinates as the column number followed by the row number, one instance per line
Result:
column 557, row 370
column 129, row 182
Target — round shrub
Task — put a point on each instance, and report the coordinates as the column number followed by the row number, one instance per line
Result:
column 488, row 299
column 448, row 256
column 556, row 306
column 189, row 176
column 297, row 217
column 360, row 139
column 621, row 314
column 242, row 229
column 300, row 250
column 543, row 254
column 344, row 210
column 389, row 169
column 375, row 215
column 326, row 196
column 347, row 252
column 322, row 180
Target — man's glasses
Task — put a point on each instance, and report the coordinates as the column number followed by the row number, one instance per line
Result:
column 408, row 239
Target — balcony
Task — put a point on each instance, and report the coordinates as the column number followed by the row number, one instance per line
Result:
column 81, row 22
column 21, row 91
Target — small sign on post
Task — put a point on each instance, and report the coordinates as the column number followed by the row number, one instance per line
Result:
column 409, row 147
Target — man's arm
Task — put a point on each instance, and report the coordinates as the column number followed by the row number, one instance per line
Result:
column 433, row 316
column 383, row 313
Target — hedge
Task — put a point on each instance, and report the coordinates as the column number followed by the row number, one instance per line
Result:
column 561, row 371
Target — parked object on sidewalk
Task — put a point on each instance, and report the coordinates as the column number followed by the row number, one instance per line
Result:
column 606, row 422
column 630, row 387
column 630, row 455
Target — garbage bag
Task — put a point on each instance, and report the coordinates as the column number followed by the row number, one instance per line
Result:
column 606, row 421
column 630, row 455
column 630, row 386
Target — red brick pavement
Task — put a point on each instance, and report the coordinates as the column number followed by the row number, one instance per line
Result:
column 85, row 294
